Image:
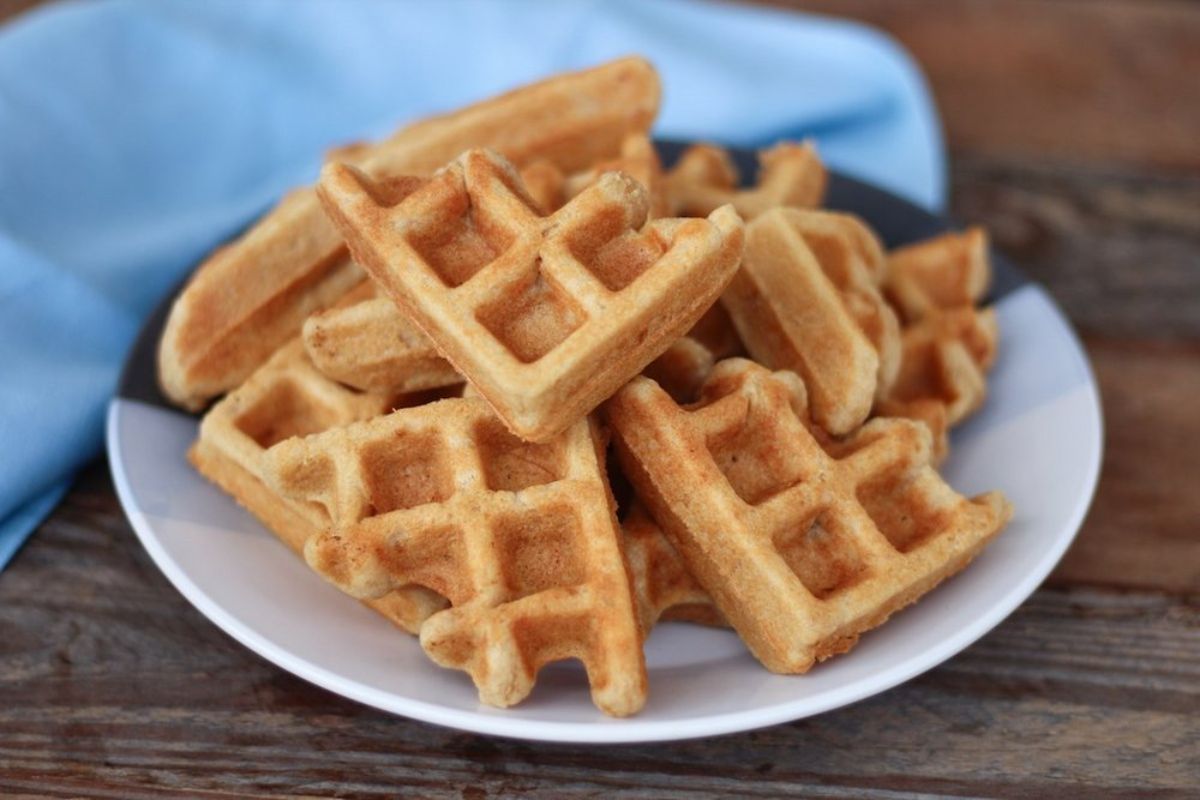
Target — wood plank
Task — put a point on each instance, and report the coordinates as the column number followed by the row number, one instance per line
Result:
column 1098, row 81
column 112, row 685
column 1118, row 248
column 1142, row 530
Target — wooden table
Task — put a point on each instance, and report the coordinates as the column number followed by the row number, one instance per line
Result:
column 1074, row 129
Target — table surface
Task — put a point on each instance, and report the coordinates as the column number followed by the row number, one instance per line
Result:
column 1074, row 138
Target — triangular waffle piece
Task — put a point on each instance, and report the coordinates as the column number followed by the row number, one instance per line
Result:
column 546, row 186
column 945, row 358
column 638, row 159
column 948, row 344
column 804, row 542
column 851, row 252
column 546, row 316
column 367, row 343
column 792, row 315
column 662, row 585
column 927, row 410
column 681, row 370
column 293, row 262
column 852, row 257
column 519, row 537
column 790, row 175
column 214, row 337
column 950, row 270
column 286, row 397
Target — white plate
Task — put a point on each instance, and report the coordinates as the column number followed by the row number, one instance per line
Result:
column 1038, row 439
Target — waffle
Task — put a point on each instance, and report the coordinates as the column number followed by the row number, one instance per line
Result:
column 705, row 178
column 852, row 257
column 662, row 586
column 286, row 397
column 948, row 343
column 519, row 537
column 930, row 412
column 552, row 189
column 293, row 262
column 366, row 343
column 946, row 271
column 805, row 300
column 681, row 370
column 546, row 316
column 639, row 160
column 803, row 541
column 945, row 358
column 546, row 186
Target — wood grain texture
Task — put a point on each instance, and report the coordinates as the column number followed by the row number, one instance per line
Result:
column 1119, row 249
column 1080, row 81
column 1142, row 531
column 114, row 687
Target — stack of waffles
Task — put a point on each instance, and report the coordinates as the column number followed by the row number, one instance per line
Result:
column 523, row 391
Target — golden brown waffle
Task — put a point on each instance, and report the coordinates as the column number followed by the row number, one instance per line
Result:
column 929, row 411
column 947, row 271
column 790, row 176
column 948, row 344
column 551, row 189
column 803, row 542
column 639, row 160
column 366, row 342
column 945, row 358
column 519, row 537
column 546, row 316
column 852, row 257
column 546, row 186
column 804, row 300
column 287, row 397
column 662, row 586
column 249, row 298
column 681, row 370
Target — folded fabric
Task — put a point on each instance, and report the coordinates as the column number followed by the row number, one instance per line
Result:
column 137, row 134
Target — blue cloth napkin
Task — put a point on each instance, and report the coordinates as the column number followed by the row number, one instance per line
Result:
column 137, row 134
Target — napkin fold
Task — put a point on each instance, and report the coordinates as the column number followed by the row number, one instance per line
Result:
column 137, row 134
